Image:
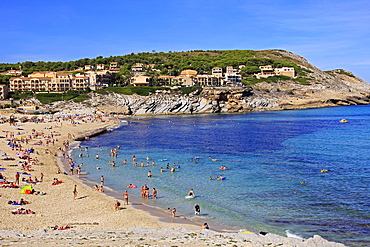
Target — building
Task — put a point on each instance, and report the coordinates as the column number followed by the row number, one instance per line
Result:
column 48, row 81
column 233, row 78
column 137, row 67
column 100, row 67
column 42, row 74
column 287, row 71
column 36, row 84
column 89, row 67
column 165, row 80
column 141, row 80
column 98, row 78
column 229, row 69
column 12, row 72
column 210, row 80
column 3, row 91
column 189, row 73
column 268, row 70
column 113, row 65
column 217, row 71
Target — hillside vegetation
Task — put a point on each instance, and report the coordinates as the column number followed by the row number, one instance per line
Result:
column 172, row 63
column 310, row 88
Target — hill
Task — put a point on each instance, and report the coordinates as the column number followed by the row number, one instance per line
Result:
column 310, row 88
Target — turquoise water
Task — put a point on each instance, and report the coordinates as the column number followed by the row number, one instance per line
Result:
column 274, row 182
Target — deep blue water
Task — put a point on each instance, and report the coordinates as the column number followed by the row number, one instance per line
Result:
column 269, row 155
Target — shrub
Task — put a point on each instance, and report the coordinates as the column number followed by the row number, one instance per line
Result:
column 188, row 90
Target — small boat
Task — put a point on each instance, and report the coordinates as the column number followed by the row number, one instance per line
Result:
column 343, row 121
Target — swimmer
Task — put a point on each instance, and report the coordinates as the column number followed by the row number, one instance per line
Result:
column 191, row 192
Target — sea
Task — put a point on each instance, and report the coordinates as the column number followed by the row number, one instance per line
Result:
column 297, row 172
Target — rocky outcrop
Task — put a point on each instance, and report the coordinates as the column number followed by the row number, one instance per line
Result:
column 261, row 97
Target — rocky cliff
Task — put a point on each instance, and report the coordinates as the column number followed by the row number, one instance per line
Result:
column 319, row 89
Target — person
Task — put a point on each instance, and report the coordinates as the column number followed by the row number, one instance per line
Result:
column 116, row 205
column 197, row 209
column 75, row 191
column 71, row 169
column 17, row 178
column 173, row 212
column 149, row 174
column 41, row 177
column 147, row 193
column 125, row 197
column 61, row 227
column 154, row 193
column 22, row 202
column 205, row 226
column 102, row 180
column 191, row 193
column 78, row 170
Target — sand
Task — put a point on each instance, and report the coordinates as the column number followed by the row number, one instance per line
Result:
column 91, row 214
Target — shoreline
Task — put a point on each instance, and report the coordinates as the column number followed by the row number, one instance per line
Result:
column 91, row 210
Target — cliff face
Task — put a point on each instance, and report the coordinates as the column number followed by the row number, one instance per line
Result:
column 319, row 89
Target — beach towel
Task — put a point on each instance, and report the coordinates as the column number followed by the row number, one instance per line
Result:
column 26, row 189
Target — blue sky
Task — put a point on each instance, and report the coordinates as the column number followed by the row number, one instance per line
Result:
column 330, row 34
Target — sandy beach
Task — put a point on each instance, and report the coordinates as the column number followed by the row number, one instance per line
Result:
column 91, row 214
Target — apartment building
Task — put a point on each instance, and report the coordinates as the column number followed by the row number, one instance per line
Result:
column 3, row 91
column 209, row 80
column 233, row 77
column 37, row 84
column 48, row 81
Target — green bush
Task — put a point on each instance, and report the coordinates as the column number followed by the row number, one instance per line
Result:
column 270, row 79
column 188, row 90
column 46, row 98
column 20, row 95
column 129, row 90
column 302, row 81
column 80, row 98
